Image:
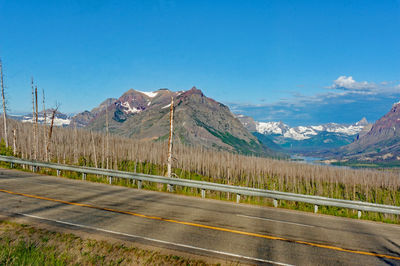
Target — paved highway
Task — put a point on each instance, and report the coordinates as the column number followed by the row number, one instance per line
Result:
column 240, row 232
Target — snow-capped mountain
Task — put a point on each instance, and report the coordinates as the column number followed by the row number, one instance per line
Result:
column 306, row 140
column 306, row 132
column 60, row 119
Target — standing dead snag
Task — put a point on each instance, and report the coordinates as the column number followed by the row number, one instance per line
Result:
column 44, row 128
column 171, row 128
column 51, row 130
column 94, row 150
column 36, row 123
column 4, row 104
column 75, row 145
column 107, row 141
column 33, row 120
column 15, row 142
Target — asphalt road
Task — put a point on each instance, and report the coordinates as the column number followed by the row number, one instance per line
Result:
column 200, row 226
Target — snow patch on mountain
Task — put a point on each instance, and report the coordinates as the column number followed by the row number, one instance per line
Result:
column 347, row 130
column 168, row 105
column 129, row 109
column 306, row 132
column 150, row 94
column 271, row 127
column 57, row 121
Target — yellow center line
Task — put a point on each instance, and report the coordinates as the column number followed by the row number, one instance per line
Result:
column 206, row 226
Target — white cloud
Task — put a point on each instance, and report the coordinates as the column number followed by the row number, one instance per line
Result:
column 348, row 83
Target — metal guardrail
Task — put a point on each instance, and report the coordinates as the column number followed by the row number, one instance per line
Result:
column 238, row 190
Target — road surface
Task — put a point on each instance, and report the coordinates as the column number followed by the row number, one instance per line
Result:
column 239, row 232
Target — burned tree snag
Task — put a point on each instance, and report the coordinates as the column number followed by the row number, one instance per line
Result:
column 4, row 104
column 171, row 128
column 33, row 121
column 51, row 131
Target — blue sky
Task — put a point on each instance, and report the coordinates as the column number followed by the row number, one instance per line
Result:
column 302, row 62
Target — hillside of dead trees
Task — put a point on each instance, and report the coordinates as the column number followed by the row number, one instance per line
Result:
column 79, row 146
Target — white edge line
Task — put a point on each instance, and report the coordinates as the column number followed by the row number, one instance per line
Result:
column 155, row 240
column 272, row 220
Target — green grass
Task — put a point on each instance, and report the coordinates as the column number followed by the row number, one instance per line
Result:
column 22, row 244
column 363, row 164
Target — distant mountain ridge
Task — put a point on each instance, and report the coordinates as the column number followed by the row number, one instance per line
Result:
column 300, row 132
column 60, row 119
column 304, row 139
column 199, row 120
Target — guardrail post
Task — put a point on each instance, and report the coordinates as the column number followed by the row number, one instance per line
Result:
column 275, row 203
column 359, row 214
column 110, row 180
column 139, row 184
column 170, row 188
column 203, row 193
column 58, row 172
column 83, row 176
column 315, row 208
column 237, row 198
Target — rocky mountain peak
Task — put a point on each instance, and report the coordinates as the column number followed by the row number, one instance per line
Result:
column 362, row 122
column 193, row 91
column 395, row 107
column 381, row 142
column 199, row 120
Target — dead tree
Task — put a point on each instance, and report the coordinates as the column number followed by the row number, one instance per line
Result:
column 15, row 142
column 107, row 139
column 33, row 120
column 75, row 145
column 171, row 128
column 44, row 127
column 4, row 103
column 36, row 123
column 94, row 150
column 53, row 115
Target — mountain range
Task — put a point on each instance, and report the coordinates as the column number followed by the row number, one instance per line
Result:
column 202, row 121
column 198, row 120
column 306, row 140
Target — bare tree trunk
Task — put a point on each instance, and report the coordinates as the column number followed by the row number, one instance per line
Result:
column 103, row 154
column 4, row 104
column 33, row 121
column 171, row 128
column 51, row 132
column 94, row 150
column 45, row 127
column 107, row 140
column 36, row 122
column 15, row 142
column 75, row 145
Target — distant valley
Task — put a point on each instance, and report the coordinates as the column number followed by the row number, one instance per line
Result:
column 306, row 140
